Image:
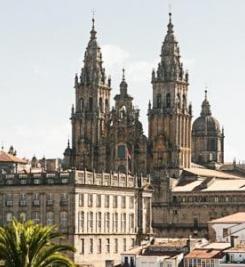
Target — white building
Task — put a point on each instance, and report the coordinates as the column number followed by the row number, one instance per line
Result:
column 224, row 228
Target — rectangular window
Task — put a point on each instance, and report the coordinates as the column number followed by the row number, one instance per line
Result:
column 123, row 202
column 116, row 246
column 131, row 223
column 90, row 200
column 132, row 242
column 90, row 222
column 107, row 201
column 115, row 222
column 123, row 222
column 124, row 244
column 131, row 202
column 99, row 249
column 64, row 199
column 115, row 204
column 81, row 200
column 36, row 216
column 108, row 245
column 63, row 220
column 82, row 246
column 98, row 201
column 107, row 222
column 91, row 246
column 80, row 221
column 98, row 222
column 49, row 199
column 36, row 199
column 23, row 201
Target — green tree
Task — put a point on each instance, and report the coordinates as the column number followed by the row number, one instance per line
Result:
column 26, row 244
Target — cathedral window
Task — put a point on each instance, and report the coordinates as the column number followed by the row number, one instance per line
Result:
column 81, row 222
column 63, row 219
column 90, row 222
column 101, row 104
column 115, row 222
column 107, row 222
column 179, row 100
column 131, row 202
column 81, row 105
column 98, row 201
column 50, row 218
column 123, row 202
column 9, row 217
column 36, row 216
column 106, row 104
column 99, row 248
column 90, row 200
column 90, row 104
column 123, row 222
column 168, row 100
column 121, row 151
column 131, row 223
column 116, row 246
column 115, row 202
column 184, row 101
column 22, row 216
column 107, row 201
column 159, row 101
column 98, row 222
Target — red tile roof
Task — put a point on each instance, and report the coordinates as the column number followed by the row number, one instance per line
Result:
column 204, row 254
column 9, row 158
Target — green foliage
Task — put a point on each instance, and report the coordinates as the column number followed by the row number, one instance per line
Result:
column 26, row 244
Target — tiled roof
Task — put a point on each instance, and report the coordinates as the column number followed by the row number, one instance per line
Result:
column 6, row 157
column 238, row 217
column 211, row 173
column 204, row 254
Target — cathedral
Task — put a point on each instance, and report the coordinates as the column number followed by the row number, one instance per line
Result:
column 106, row 139
column 184, row 160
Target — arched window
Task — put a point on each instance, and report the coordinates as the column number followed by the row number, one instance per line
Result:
column 81, row 222
column 50, row 218
column 63, row 219
column 159, row 101
column 90, row 222
column 81, row 105
column 22, row 216
column 184, row 101
column 168, row 100
column 106, row 104
column 90, row 104
column 179, row 100
column 9, row 217
column 101, row 104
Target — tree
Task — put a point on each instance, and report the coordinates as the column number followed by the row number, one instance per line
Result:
column 26, row 244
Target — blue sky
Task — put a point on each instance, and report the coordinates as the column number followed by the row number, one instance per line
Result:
column 42, row 46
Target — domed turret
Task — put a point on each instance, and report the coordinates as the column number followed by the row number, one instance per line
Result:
column 207, row 138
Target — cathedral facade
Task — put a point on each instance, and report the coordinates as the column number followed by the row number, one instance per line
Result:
column 184, row 160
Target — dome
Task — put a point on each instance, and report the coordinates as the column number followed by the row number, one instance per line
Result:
column 206, row 124
column 68, row 150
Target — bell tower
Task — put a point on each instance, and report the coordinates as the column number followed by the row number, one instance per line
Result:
column 92, row 109
column 169, row 114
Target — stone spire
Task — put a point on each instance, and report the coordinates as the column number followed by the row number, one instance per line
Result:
column 170, row 68
column 206, row 111
column 123, row 84
column 93, row 72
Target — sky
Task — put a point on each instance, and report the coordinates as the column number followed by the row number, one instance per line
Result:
column 43, row 43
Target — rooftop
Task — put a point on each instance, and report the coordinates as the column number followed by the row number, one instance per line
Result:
column 9, row 158
column 238, row 217
column 205, row 254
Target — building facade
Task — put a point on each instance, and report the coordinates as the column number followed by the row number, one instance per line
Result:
column 100, row 214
